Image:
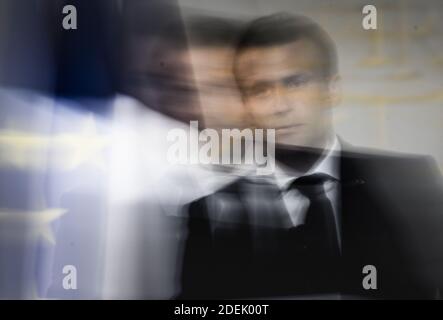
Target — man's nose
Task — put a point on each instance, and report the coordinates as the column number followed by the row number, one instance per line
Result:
column 281, row 103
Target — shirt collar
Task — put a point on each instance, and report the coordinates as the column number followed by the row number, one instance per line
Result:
column 328, row 164
column 283, row 175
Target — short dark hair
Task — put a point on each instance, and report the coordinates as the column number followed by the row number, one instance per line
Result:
column 283, row 28
column 210, row 31
column 194, row 31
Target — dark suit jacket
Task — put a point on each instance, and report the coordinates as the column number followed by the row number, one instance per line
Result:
column 391, row 218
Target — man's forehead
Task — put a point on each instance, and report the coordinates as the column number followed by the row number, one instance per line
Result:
column 212, row 61
column 211, row 56
column 277, row 61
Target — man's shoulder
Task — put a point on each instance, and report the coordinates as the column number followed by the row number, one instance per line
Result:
column 375, row 154
column 229, row 190
column 390, row 164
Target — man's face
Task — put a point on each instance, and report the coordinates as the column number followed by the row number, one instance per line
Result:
column 160, row 75
column 283, row 89
column 220, row 100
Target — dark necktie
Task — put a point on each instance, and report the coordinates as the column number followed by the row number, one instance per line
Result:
column 318, row 235
column 320, row 227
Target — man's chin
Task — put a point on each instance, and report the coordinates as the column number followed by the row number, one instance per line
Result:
column 298, row 143
column 293, row 141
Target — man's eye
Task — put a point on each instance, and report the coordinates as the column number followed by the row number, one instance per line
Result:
column 259, row 91
column 295, row 82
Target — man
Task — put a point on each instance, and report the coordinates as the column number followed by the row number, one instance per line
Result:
column 330, row 212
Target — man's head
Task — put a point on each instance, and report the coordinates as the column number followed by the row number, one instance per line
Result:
column 156, row 67
column 286, row 69
column 212, row 48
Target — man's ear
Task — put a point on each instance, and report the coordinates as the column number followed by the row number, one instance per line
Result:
column 335, row 90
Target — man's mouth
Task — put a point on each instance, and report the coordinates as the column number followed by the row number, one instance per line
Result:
column 289, row 126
